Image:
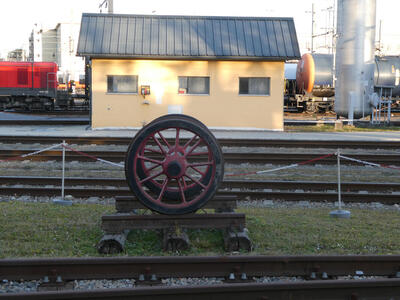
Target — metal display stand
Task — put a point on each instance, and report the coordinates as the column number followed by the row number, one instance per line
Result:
column 173, row 228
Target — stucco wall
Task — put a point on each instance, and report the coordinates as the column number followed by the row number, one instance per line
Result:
column 224, row 107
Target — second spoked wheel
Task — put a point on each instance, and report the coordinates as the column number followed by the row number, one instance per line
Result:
column 174, row 165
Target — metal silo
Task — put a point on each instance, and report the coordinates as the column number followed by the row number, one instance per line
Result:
column 355, row 57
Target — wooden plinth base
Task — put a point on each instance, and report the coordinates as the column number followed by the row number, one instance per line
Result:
column 173, row 227
column 126, row 204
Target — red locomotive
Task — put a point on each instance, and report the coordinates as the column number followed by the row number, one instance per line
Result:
column 28, row 85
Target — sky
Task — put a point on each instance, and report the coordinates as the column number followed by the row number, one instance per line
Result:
column 17, row 18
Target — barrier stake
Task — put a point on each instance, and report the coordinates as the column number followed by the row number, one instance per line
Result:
column 63, row 171
column 338, row 180
column 339, row 213
column 61, row 200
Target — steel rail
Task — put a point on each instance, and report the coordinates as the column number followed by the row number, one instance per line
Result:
column 224, row 142
column 321, row 290
column 226, row 184
column 65, row 121
column 79, row 192
column 70, row 113
column 199, row 266
column 229, row 157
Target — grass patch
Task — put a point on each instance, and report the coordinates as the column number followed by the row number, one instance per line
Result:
column 47, row 230
column 312, row 231
column 37, row 229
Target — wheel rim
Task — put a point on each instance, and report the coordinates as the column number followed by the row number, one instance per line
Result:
column 185, row 168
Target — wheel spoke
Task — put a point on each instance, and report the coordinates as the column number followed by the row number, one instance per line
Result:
column 151, row 177
column 190, row 141
column 165, row 183
column 184, row 183
column 177, row 137
column 151, row 168
column 195, row 180
column 198, row 153
column 181, row 190
column 209, row 163
column 158, row 144
column 194, row 147
column 198, row 171
column 149, row 159
column 164, row 140
column 153, row 150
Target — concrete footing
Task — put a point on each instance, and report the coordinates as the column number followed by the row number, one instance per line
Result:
column 60, row 201
column 340, row 213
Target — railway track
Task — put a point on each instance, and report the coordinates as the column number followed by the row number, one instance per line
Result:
column 226, row 184
column 318, row 272
column 86, row 121
column 327, row 289
column 58, row 122
column 229, row 157
column 277, row 143
column 72, row 112
column 353, row 192
column 348, row 197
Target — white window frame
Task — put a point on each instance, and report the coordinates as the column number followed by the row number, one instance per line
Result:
column 195, row 94
column 124, row 93
column 255, row 95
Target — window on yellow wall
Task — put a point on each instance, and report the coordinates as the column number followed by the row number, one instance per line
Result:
column 194, row 85
column 254, row 86
column 122, row 84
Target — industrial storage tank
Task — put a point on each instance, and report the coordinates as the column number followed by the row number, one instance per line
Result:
column 355, row 57
column 314, row 75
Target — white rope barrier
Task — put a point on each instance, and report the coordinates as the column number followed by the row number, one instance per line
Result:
column 110, row 163
column 360, row 161
column 277, row 169
column 32, row 153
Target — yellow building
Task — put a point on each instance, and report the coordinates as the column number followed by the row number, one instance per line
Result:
column 228, row 72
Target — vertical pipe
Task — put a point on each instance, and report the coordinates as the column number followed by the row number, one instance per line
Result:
column 351, row 108
column 390, row 106
column 32, row 68
column 334, row 42
column 333, row 32
column 380, row 36
column 110, row 6
column 380, row 108
column 312, row 28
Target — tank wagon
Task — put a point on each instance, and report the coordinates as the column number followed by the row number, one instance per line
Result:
column 32, row 86
column 291, row 99
column 314, row 81
column 387, row 74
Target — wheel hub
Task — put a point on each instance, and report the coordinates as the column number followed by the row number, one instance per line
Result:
column 174, row 169
column 174, row 165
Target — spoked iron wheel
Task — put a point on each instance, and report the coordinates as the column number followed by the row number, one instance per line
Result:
column 174, row 165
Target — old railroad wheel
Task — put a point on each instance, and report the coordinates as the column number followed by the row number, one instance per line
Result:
column 174, row 165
